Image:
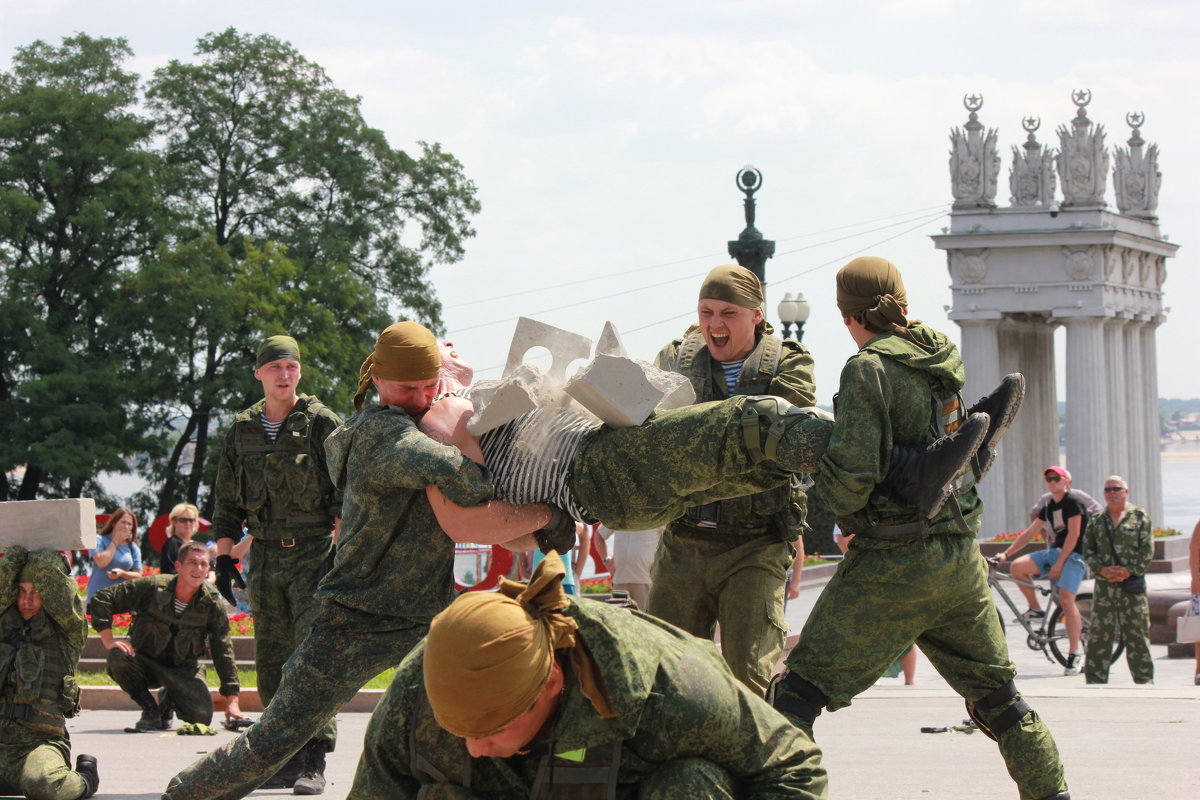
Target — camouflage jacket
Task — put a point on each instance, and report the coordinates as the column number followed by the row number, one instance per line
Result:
column 673, row 695
column 774, row 366
column 392, row 558
column 157, row 633
column 885, row 398
column 1131, row 537
column 281, row 490
column 38, row 656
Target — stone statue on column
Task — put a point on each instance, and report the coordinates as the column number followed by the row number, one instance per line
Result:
column 1082, row 160
column 1031, row 179
column 1136, row 177
column 974, row 163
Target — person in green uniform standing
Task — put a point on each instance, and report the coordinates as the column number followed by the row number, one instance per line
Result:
column 177, row 619
column 530, row 693
column 908, row 578
column 272, row 477
column 725, row 563
column 393, row 570
column 42, row 631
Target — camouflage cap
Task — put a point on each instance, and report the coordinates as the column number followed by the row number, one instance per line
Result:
column 275, row 348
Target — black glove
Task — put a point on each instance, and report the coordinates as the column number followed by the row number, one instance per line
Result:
column 227, row 575
column 559, row 533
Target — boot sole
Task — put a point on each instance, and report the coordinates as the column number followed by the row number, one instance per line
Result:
column 948, row 487
column 986, row 455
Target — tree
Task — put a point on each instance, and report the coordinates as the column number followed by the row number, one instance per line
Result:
column 261, row 147
column 79, row 204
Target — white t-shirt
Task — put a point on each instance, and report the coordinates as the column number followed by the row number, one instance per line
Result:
column 633, row 552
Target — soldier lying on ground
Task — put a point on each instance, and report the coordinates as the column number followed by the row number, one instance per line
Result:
column 647, row 475
column 527, row 689
column 42, row 631
column 176, row 617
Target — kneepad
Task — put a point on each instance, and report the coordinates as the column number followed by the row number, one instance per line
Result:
column 999, row 723
column 799, row 698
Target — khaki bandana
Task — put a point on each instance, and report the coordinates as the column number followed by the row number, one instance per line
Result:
column 405, row 351
column 488, row 656
column 275, row 348
column 871, row 289
column 731, row 283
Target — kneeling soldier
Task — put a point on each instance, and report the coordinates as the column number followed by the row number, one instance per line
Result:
column 526, row 692
column 42, row 631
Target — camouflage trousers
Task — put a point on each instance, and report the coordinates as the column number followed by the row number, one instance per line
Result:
column 345, row 649
column 701, row 579
column 1113, row 610
column 281, row 582
column 933, row 592
column 184, row 686
column 39, row 770
column 642, row 477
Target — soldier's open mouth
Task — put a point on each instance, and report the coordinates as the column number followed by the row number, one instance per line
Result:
column 720, row 341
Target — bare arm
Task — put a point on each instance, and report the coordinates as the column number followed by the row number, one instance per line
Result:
column 493, row 522
column 446, row 422
column 1034, row 529
column 102, row 558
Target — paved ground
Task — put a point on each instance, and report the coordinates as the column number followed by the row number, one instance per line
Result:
column 1118, row 741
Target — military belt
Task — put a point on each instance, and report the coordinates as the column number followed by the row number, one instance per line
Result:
column 292, row 542
column 895, row 533
column 722, row 528
column 16, row 710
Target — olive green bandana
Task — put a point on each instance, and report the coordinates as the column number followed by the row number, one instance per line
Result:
column 405, row 351
column 871, row 290
column 275, row 348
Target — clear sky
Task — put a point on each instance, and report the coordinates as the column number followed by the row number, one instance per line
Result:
column 604, row 137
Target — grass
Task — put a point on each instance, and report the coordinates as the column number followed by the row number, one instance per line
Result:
column 246, row 678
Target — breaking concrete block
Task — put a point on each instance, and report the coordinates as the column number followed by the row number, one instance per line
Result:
column 508, row 399
column 564, row 346
column 677, row 390
column 51, row 524
column 610, row 343
column 616, row 390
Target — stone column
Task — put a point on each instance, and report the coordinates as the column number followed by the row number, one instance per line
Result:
column 1027, row 346
column 1153, row 502
column 981, row 356
column 1087, row 406
column 1141, row 451
column 1121, row 427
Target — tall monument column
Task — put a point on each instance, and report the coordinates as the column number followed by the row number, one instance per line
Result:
column 1018, row 272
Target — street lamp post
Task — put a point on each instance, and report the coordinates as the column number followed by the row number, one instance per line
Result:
column 794, row 311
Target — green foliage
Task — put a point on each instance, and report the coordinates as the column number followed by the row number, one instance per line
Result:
column 136, row 283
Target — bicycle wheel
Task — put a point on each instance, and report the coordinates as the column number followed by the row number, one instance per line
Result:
column 1056, row 630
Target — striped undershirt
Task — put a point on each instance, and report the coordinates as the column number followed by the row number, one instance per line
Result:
column 530, row 458
column 732, row 370
column 180, row 606
column 271, row 428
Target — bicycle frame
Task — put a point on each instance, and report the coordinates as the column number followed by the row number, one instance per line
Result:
column 1038, row 638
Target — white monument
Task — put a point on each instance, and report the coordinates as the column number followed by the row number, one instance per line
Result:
column 1017, row 273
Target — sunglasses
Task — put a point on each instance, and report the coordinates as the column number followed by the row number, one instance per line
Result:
column 185, row 519
column 1053, row 478
column 1110, row 489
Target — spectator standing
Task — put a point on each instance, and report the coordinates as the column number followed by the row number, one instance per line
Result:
column 182, row 524
column 1119, row 547
column 1067, row 517
column 629, row 555
column 176, row 618
column 117, row 556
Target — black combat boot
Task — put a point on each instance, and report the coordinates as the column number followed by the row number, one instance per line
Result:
column 1060, row 796
column 924, row 478
column 286, row 777
column 166, row 710
column 312, row 779
column 86, row 766
column 151, row 714
column 1002, row 406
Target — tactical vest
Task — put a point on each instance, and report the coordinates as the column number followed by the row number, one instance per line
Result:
column 777, row 509
column 281, row 488
column 161, row 635
column 587, row 775
column 37, row 683
column 947, row 413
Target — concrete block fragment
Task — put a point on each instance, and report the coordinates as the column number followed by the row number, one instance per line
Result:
column 610, row 343
column 677, row 390
column 54, row 524
column 564, row 346
column 616, row 390
column 507, row 399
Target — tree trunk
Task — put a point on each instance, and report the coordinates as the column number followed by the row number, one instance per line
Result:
column 166, row 496
column 34, row 475
column 202, row 417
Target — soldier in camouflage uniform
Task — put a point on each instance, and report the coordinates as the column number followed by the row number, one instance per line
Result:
column 1118, row 545
column 725, row 563
column 393, row 570
column 907, row 578
column 42, row 631
column 273, row 478
column 625, row 706
column 165, row 645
